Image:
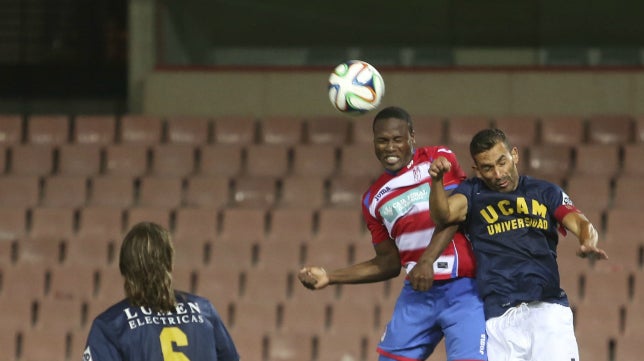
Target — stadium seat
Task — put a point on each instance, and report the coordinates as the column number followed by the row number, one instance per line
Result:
column 348, row 344
column 328, row 253
column 289, row 347
column 267, row 284
column 99, row 251
column 242, row 225
column 302, row 317
column 639, row 129
column 156, row 215
column 17, row 317
column 281, row 255
column 302, row 192
column 219, row 282
column 597, row 160
column 100, row 222
column 239, row 255
column 319, row 160
column 629, row 192
column 330, row 130
column 32, row 159
column 47, row 344
column 48, row 129
column 247, row 314
column 94, row 129
column 208, row 191
column 629, row 347
column 24, row 281
column 565, row 130
column 254, row 192
column 173, row 160
column 460, row 129
column 19, row 191
column 53, row 222
column 361, row 127
column 112, row 191
column 13, row 223
column 46, row 250
column 140, row 129
column 347, row 191
column 4, row 159
column 195, row 225
column 633, row 155
column 267, row 160
column 80, row 159
column 65, row 191
column 221, row 160
column 287, row 130
column 610, row 129
column 194, row 130
column 73, row 282
column 238, row 130
column 160, row 192
column 11, row 131
column 290, row 225
column 552, row 162
column 623, row 224
column 356, row 316
column 520, row 130
column 589, row 194
column 191, row 253
column 360, row 161
column 129, row 159
column 349, row 220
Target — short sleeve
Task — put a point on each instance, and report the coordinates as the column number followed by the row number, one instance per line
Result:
column 99, row 346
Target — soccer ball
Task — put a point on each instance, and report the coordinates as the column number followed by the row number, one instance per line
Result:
column 356, row 87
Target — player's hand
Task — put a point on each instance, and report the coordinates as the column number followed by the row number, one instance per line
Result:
column 439, row 167
column 422, row 276
column 313, row 278
column 591, row 252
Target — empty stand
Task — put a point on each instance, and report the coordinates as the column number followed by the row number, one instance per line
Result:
column 221, row 160
column 173, row 160
column 65, row 191
column 193, row 130
column 156, row 215
column 329, row 254
column 97, row 251
column 140, row 129
column 344, row 225
column 429, row 130
column 460, row 129
column 360, row 161
column 130, row 159
column 287, row 130
column 520, row 130
column 59, row 313
column 349, row 344
column 80, row 159
column 4, row 159
column 53, row 222
column 639, row 129
column 19, row 191
column 195, row 225
column 281, row 255
column 243, row 225
column 623, row 224
column 293, row 225
column 319, row 160
column 32, row 159
column 356, row 316
column 589, row 194
column 610, row 129
column 362, row 130
column 629, row 192
column 100, row 222
column 160, row 192
column 347, row 191
column 332, row 130
column 47, row 251
column 112, row 191
column 267, row 284
column 304, row 317
column 633, row 155
column 305, row 192
column 11, row 129
column 47, row 344
column 258, row 191
column 24, row 281
column 208, row 191
column 234, row 255
column 566, row 130
column 219, row 282
column 290, row 347
column 94, row 129
column 267, row 160
column 552, row 162
column 48, row 129
column 235, row 130
column 191, row 253
column 597, row 160
column 13, row 223
column 70, row 283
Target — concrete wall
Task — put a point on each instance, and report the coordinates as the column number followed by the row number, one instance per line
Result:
column 489, row 92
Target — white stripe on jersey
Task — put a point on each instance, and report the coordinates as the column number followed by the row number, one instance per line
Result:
column 414, row 240
column 412, row 177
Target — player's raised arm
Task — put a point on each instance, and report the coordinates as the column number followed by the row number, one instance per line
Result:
column 444, row 209
column 580, row 226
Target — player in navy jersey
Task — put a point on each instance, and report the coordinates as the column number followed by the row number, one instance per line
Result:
column 155, row 322
column 512, row 222
column 396, row 210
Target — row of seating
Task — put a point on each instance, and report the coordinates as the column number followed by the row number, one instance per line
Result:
column 337, row 130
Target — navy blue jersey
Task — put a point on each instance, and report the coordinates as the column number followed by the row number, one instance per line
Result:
column 193, row 331
column 514, row 236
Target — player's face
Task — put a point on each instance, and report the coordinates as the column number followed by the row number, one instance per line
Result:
column 393, row 143
column 497, row 167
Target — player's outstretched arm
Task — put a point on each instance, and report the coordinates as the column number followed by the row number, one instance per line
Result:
column 444, row 209
column 385, row 265
column 580, row 226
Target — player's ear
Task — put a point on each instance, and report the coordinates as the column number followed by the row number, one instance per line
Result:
column 476, row 171
column 515, row 155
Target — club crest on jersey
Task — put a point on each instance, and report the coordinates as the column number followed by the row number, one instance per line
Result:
column 87, row 355
column 417, row 175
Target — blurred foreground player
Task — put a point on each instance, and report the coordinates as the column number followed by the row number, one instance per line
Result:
column 396, row 210
column 155, row 322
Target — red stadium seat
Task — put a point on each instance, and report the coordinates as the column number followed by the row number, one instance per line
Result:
column 140, row 129
column 129, row 159
column 287, row 130
column 610, row 129
column 32, row 159
column 160, row 192
column 520, row 130
column 208, row 191
column 53, row 222
column 194, row 130
column 302, row 192
column 112, row 191
column 173, row 160
column 360, row 161
column 11, row 129
column 48, row 129
column 460, row 129
column 19, row 191
column 319, row 160
column 267, row 160
column 94, row 129
column 65, row 191
column 221, row 160
column 565, row 130
column 80, row 159
column 255, row 192
column 235, row 130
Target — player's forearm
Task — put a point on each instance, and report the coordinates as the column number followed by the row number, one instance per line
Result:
column 440, row 239
column 438, row 204
column 365, row 272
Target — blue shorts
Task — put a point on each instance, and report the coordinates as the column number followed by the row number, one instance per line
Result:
column 420, row 320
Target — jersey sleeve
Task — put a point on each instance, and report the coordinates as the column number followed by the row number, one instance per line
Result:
column 226, row 350
column 378, row 230
column 456, row 174
column 99, row 345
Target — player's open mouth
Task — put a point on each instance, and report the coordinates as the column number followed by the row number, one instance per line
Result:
column 391, row 159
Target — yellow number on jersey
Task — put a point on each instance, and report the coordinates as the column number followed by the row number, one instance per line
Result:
column 171, row 335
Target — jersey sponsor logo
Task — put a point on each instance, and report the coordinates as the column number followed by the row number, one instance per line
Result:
column 381, row 193
column 184, row 313
column 566, row 200
column 525, row 213
column 404, row 202
column 87, row 354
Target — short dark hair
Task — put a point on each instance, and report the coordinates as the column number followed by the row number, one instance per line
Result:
column 394, row 112
column 486, row 139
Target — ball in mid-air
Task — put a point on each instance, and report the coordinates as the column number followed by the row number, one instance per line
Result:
column 356, row 87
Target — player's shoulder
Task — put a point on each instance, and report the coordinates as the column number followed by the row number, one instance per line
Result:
column 430, row 152
column 532, row 182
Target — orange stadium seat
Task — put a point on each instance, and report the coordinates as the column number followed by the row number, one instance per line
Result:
column 520, row 130
column 11, row 131
column 80, row 159
column 173, row 160
column 129, row 159
column 160, row 192
column 140, row 129
column 267, row 160
column 287, row 130
column 19, row 191
column 208, row 191
column 610, row 129
column 94, row 129
column 112, row 191
column 319, row 160
column 221, row 160
column 48, row 129
column 303, row 192
column 566, row 130
column 235, row 130
column 194, row 130
column 32, row 159
column 65, row 191
column 460, row 129
column 331, row 130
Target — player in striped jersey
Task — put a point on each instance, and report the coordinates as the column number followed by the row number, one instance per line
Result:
column 155, row 322
column 438, row 299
